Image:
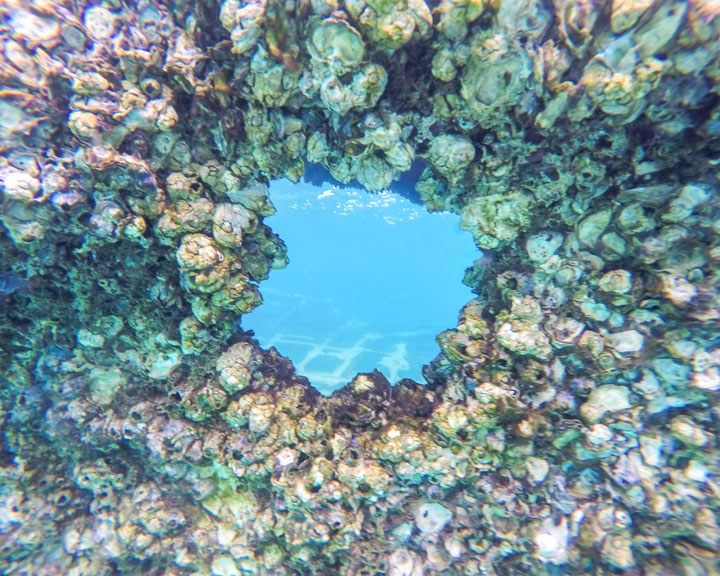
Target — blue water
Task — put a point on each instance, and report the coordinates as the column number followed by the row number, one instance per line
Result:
column 372, row 279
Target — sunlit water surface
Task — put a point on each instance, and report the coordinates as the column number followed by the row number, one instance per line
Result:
column 372, row 279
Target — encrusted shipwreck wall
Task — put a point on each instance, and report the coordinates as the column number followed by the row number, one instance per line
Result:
column 570, row 424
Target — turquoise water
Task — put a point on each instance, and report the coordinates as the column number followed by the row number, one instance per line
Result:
column 372, row 279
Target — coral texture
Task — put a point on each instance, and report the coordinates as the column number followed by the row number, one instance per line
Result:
column 570, row 423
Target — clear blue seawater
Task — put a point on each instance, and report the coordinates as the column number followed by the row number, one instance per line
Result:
column 372, row 279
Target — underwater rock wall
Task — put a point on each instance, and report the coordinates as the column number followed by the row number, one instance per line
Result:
column 569, row 425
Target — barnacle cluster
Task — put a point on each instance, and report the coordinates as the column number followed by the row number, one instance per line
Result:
column 569, row 424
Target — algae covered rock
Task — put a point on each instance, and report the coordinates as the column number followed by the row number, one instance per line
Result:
column 233, row 367
column 390, row 25
column 450, row 155
column 337, row 44
column 230, row 221
column 520, row 330
column 360, row 91
column 203, row 264
column 497, row 219
column 496, row 78
column 569, row 422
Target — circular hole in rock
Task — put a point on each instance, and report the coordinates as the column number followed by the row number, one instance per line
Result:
column 372, row 279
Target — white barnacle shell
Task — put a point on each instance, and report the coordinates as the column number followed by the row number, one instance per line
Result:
column 431, row 517
column 540, row 247
column 87, row 339
column 707, row 380
column 229, row 223
column 401, row 563
column 678, row 290
column 32, row 29
column 224, row 565
column 607, row 398
column 592, row 227
column 335, row 42
column 233, row 367
column 100, row 22
column 18, row 185
column 616, row 282
column 198, row 252
column 104, row 384
column 151, row 22
column 537, row 469
column 451, row 154
column 552, row 541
